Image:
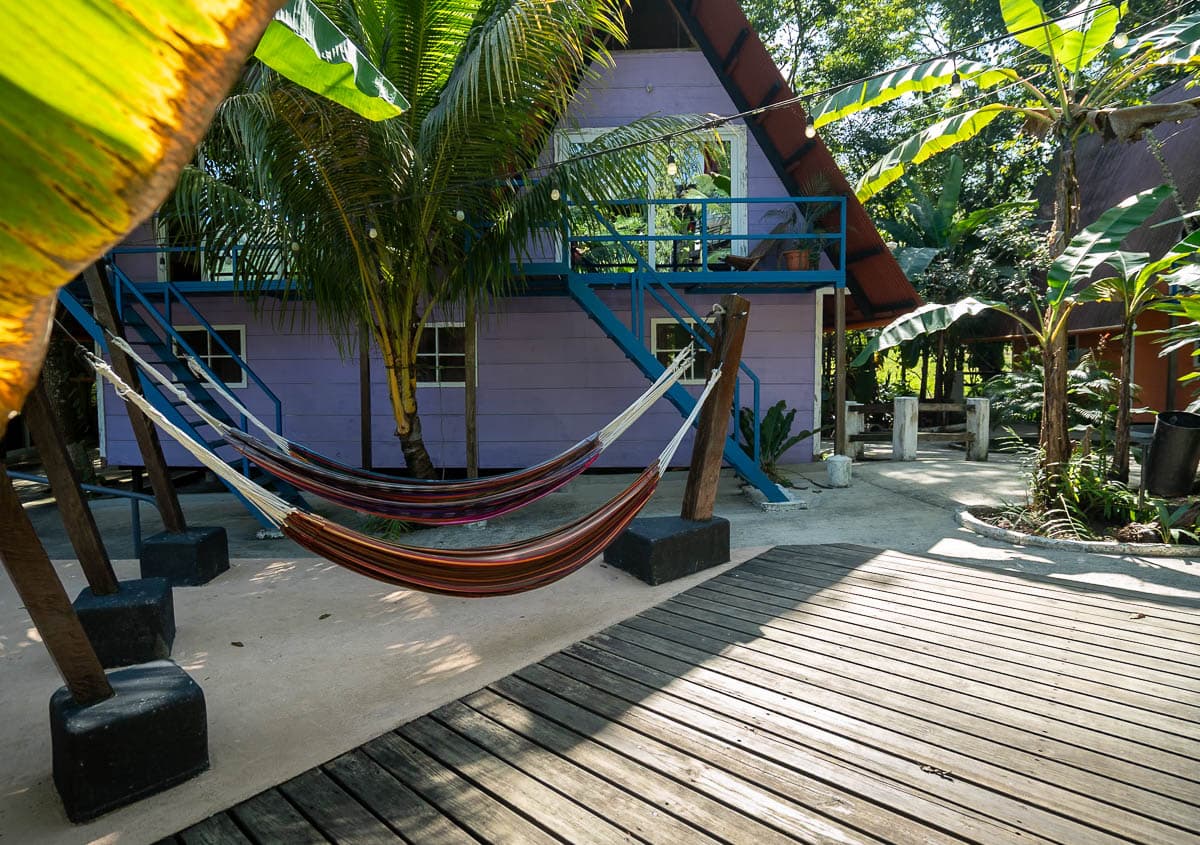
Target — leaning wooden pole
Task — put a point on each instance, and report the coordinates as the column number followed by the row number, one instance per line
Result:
column 46, row 601
column 712, row 428
column 64, row 483
column 841, row 442
column 471, row 388
column 105, row 310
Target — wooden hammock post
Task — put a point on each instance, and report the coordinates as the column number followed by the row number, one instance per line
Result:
column 104, row 308
column 44, row 598
column 712, row 428
column 64, row 483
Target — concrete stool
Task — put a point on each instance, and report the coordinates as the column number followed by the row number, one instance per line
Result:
column 187, row 559
column 136, row 624
column 658, row 549
column 150, row 735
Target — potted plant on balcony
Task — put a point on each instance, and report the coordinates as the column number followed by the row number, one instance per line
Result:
column 804, row 253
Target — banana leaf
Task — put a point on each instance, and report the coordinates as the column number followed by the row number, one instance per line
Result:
column 1097, row 243
column 928, row 76
column 1090, row 27
column 925, row 320
column 924, row 145
column 305, row 46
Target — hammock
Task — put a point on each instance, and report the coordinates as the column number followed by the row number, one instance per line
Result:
column 417, row 500
column 487, row 571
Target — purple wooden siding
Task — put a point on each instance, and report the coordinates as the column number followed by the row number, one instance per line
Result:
column 548, row 376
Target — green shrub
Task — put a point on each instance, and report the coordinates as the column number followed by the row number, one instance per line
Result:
column 774, row 435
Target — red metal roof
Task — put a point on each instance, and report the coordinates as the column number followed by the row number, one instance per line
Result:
column 879, row 290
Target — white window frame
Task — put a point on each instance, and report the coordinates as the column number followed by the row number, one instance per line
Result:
column 451, row 324
column 655, row 322
column 240, row 328
column 735, row 134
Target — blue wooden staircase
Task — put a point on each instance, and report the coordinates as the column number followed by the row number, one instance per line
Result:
column 150, row 331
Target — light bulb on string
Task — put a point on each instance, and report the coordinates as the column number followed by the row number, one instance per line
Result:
column 672, row 167
column 460, row 215
column 295, row 246
column 956, row 89
column 555, row 194
column 372, row 233
column 1121, row 39
column 810, row 127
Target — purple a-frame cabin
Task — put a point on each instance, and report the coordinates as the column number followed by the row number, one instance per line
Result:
column 560, row 360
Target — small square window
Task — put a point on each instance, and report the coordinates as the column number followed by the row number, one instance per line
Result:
column 669, row 338
column 442, row 355
column 214, row 353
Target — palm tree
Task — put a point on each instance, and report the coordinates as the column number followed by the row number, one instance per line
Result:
column 382, row 223
column 1081, row 81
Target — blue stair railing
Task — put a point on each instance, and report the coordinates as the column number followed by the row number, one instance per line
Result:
column 152, row 329
column 645, row 279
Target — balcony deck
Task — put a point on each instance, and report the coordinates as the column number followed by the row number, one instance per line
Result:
column 815, row 693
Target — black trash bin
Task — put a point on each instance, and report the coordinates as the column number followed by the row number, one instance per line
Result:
column 1174, row 452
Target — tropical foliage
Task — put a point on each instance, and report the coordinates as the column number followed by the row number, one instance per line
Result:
column 384, row 223
column 92, row 145
column 775, row 435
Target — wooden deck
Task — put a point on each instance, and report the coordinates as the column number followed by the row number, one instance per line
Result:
column 816, row 694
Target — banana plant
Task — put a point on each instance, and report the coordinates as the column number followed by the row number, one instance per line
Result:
column 1139, row 284
column 1084, row 76
column 1045, row 319
column 103, row 105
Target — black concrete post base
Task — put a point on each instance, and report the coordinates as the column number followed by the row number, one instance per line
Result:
column 195, row 556
column 136, row 624
column 151, row 735
column 658, row 549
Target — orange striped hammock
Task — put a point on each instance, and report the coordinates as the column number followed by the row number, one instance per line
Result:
column 495, row 570
column 416, row 500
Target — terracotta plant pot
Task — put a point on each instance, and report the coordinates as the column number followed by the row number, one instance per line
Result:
column 796, row 259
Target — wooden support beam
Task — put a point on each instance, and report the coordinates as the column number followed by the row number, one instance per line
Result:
column 800, row 154
column 105, row 310
column 364, row 396
column 840, row 441
column 771, row 92
column 712, row 428
column 46, row 601
column 64, row 482
column 735, row 48
column 471, row 388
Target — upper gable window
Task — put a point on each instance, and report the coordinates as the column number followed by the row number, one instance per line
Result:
column 653, row 25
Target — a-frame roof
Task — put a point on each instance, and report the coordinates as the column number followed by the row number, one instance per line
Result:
column 879, row 290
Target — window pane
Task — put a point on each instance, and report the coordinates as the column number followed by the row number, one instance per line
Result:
column 232, row 337
column 197, row 339
column 426, row 368
column 226, row 369
column 428, row 342
column 453, row 373
column 452, row 339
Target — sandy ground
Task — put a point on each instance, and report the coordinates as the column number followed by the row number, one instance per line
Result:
column 328, row 660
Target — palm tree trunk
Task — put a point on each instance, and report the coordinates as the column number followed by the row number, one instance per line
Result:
column 1120, row 466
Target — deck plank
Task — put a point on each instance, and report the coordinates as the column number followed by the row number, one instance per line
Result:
column 825, row 694
column 215, row 830
column 271, row 820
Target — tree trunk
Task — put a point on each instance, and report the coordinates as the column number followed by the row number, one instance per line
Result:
column 1053, row 436
column 1120, row 464
column 416, row 456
